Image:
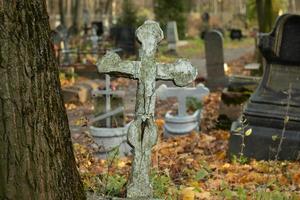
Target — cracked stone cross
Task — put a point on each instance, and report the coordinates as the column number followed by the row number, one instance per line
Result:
column 142, row 133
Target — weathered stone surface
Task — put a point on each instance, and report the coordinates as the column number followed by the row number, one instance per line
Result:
column 273, row 110
column 214, row 56
column 182, row 123
column 142, row 133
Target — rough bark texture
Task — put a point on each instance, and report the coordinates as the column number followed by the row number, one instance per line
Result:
column 36, row 155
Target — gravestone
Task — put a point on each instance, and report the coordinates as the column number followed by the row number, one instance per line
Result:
column 183, row 122
column 64, row 35
column 94, row 38
column 273, row 111
column 214, row 56
column 142, row 133
column 236, row 34
column 98, row 25
column 172, row 36
column 124, row 38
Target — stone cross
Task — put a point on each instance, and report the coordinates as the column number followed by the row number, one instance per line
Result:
column 142, row 133
column 214, row 56
column 181, row 94
column 107, row 92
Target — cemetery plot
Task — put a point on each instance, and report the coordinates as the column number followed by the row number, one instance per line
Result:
column 181, row 108
column 197, row 161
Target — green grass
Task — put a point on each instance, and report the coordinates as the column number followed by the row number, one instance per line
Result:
column 195, row 48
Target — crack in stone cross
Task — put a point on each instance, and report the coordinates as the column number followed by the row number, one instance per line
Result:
column 142, row 133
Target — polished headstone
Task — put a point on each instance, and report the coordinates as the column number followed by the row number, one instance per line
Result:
column 273, row 111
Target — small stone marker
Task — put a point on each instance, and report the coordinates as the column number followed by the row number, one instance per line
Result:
column 183, row 122
column 142, row 133
column 214, row 56
column 63, row 32
column 172, row 35
column 94, row 38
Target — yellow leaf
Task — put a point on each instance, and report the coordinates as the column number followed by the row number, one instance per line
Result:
column 248, row 132
column 188, row 193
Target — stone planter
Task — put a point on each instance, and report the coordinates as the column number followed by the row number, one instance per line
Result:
column 109, row 138
column 181, row 125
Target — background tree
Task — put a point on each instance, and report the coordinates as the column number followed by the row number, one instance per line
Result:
column 75, row 14
column 36, row 155
column 129, row 14
column 264, row 12
column 171, row 10
column 61, row 12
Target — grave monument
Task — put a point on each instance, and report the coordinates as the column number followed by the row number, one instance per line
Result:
column 214, row 56
column 106, row 136
column 183, row 122
column 142, row 133
column 172, row 36
column 64, row 35
column 273, row 111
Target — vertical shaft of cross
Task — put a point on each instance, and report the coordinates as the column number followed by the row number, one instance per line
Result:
column 142, row 132
column 107, row 96
column 182, row 105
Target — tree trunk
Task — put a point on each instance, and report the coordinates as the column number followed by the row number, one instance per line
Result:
column 61, row 12
column 36, row 154
column 264, row 15
column 75, row 13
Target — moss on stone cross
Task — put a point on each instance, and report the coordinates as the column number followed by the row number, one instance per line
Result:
column 142, row 133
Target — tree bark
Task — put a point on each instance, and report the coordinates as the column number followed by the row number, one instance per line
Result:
column 36, row 154
column 75, row 13
column 264, row 15
column 61, row 12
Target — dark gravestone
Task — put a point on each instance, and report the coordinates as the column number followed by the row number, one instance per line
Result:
column 124, row 38
column 214, row 56
column 236, row 34
column 273, row 110
column 98, row 26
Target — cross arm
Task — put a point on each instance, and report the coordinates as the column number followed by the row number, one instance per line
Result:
column 181, row 72
column 112, row 64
